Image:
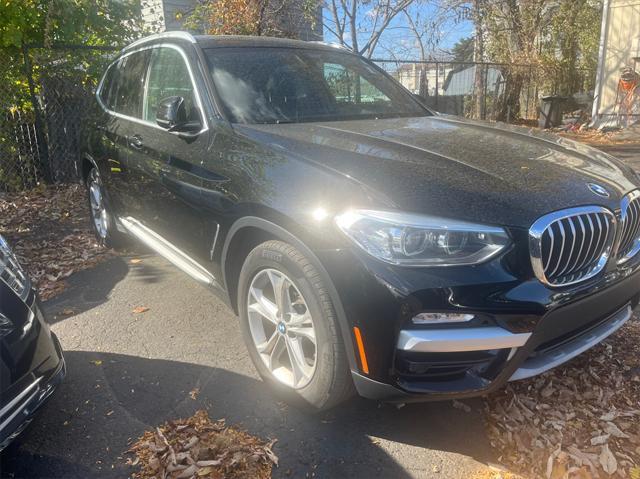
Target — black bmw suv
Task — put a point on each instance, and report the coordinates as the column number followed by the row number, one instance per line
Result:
column 363, row 240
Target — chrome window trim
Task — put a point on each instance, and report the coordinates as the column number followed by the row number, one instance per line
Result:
column 177, row 35
column 624, row 207
column 541, row 224
column 205, row 124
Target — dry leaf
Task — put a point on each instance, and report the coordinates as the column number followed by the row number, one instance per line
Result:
column 135, row 261
column 610, row 416
column 612, row 429
column 97, row 362
column 193, row 394
column 600, row 440
column 460, row 405
column 608, row 460
column 140, row 309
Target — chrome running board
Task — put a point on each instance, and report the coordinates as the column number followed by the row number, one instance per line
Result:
column 161, row 246
column 545, row 361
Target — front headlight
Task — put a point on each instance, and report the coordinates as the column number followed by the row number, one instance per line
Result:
column 10, row 270
column 415, row 240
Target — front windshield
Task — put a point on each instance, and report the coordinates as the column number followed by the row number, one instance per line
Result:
column 291, row 85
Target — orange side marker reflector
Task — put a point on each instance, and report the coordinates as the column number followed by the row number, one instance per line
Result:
column 363, row 356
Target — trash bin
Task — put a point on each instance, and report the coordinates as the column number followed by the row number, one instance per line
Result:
column 551, row 111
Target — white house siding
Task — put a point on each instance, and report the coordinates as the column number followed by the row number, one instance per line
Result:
column 620, row 44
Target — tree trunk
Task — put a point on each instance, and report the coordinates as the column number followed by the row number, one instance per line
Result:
column 510, row 107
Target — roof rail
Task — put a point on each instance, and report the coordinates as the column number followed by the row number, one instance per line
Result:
column 330, row 44
column 174, row 34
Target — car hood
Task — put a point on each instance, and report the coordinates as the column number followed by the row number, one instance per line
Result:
column 451, row 167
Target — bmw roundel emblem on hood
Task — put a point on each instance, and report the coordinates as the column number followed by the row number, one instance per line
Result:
column 598, row 190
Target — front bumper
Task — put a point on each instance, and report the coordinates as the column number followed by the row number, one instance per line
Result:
column 19, row 412
column 33, row 367
column 522, row 328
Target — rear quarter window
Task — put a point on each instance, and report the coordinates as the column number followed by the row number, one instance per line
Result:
column 131, row 73
column 107, row 87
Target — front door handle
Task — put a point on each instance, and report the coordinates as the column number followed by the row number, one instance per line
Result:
column 135, row 142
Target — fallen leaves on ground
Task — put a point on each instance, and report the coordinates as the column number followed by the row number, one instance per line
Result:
column 49, row 230
column 140, row 309
column 578, row 421
column 201, row 448
column 625, row 136
column 493, row 474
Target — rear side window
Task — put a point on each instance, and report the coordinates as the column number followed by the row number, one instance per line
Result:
column 107, row 94
column 130, row 78
column 168, row 76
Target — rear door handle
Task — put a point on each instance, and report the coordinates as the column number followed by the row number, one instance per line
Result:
column 135, row 141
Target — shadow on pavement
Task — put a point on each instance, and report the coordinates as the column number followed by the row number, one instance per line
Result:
column 109, row 399
column 92, row 287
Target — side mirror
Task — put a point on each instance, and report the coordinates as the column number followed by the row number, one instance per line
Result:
column 172, row 115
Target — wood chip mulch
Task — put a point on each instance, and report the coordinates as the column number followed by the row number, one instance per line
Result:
column 578, row 421
column 49, row 230
column 198, row 447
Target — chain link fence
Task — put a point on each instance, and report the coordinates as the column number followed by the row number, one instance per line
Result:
column 486, row 91
column 45, row 95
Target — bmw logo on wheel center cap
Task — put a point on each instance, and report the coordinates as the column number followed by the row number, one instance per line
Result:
column 598, row 190
column 282, row 328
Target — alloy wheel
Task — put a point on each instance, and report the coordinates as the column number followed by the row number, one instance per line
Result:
column 96, row 200
column 282, row 328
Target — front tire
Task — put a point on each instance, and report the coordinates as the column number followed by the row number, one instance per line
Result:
column 290, row 328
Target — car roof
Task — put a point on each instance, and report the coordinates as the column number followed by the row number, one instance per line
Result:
column 216, row 41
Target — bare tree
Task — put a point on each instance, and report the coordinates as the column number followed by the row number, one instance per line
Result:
column 359, row 24
column 514, row 28
column 429, row 23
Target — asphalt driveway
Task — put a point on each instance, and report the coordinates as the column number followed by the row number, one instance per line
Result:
column 129, row 372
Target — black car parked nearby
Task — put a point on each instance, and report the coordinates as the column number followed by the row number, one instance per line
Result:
column 31, row 362
column 362, row 239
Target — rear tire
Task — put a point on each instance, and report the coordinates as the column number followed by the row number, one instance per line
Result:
column 299, row 322
column 102, row 220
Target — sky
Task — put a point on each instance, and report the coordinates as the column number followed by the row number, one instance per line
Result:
column 397, row 40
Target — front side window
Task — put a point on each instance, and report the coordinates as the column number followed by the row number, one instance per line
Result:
column 130, row 84
column 289, row 85
column 168, row 76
